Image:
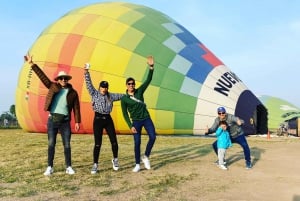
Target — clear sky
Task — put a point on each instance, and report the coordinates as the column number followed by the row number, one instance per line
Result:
column 259, row 40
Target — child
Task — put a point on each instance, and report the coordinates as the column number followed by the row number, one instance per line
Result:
column 223, row 142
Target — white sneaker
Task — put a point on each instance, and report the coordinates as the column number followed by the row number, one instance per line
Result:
column 94, row 168
column 136, row 168
column 49, row 171
column 223, row 167
column 115, row 163
column 146, row 162
column 70, row 170
column 217, row 162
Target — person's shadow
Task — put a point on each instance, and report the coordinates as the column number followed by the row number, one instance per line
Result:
column 180, row 153
column 255, row 156
column 169, row 155
column 296, row 198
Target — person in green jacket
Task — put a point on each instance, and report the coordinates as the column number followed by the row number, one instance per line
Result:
column 133, row 103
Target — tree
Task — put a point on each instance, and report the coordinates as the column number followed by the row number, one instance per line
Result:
column 10, row 116
column 12, row 110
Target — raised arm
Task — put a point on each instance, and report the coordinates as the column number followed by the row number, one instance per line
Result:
column 88, row 81
column 150, row 62
column 41, row 75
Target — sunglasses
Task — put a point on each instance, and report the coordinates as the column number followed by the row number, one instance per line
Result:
column 130, row 83
column 221, row 113
column 63, row 78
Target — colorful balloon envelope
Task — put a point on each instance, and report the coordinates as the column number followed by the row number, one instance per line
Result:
column 188, row 85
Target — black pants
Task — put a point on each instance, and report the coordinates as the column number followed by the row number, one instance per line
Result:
column 104, row 121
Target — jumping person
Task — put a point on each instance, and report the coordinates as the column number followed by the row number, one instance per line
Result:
column 61, row 99
column 133, row 103
column 102, row 102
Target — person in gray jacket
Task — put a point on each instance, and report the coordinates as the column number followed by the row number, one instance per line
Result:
column 236, row 133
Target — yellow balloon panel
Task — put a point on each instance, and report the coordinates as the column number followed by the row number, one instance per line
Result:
column 47, row 47
column 164, row 118
column 85, row 49
column 112, row 10
column 70, row 24
column 110, row 58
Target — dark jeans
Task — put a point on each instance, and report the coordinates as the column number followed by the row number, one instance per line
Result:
column 241, row 140
column 149, row 127
column 104, row 122
column 65, row 131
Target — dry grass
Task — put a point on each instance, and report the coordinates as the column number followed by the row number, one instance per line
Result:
column 180, row 165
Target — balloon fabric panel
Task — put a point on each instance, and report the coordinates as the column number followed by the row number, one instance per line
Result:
column 174, row 101
column 131, row 39
column 172, row 80
column 190, row 87
column 188, row 84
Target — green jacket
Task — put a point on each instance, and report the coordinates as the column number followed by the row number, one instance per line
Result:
column 134, row 105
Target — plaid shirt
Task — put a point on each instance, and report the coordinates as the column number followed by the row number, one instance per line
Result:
column 102, row 104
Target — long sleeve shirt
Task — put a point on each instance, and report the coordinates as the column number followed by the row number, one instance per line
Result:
column 223, row 138
column 234, row 129
column 101, row 103
column 134, row 105
column 54, row 88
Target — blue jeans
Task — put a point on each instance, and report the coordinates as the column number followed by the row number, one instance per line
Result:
column 241, row 140
column 149, row 127
column 65, row 131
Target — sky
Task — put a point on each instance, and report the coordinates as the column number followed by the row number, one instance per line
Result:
column 259, row 40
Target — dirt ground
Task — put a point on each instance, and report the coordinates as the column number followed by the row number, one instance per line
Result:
column 274, row 176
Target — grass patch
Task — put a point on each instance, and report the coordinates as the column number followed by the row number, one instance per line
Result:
column 24, row 159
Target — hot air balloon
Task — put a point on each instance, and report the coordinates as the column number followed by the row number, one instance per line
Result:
column 281, row 112
column 189, row 81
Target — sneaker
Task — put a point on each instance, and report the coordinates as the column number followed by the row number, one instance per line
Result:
column 115, row 163
column 146, row 162
column 137, row 168
column 248, row 165
column 70, row 170
column 94, row 168
column 217, row 162
column 49, row 171
column 223, row 167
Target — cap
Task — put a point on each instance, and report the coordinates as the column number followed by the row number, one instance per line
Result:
column 221, row 109
column 103, row 84
column 62, row 74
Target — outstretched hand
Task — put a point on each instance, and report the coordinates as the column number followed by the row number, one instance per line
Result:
column 239, row 122
column 28, row 58
column 206, row 130
column 86, row 67
column 150, row 61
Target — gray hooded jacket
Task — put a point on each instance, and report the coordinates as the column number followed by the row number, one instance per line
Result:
column 234, row 129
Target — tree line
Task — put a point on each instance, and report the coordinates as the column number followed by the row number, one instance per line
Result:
column 8, row 119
